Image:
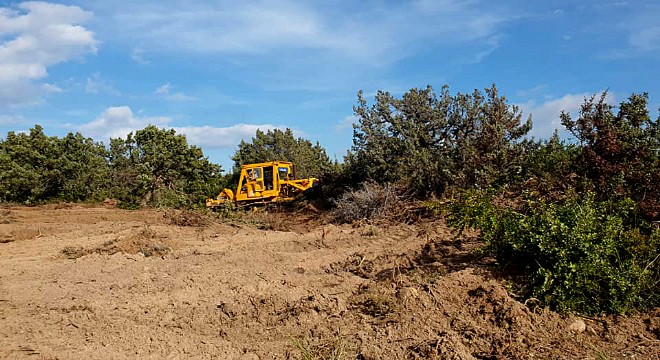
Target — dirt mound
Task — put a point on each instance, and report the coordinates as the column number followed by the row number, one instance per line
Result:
column 653, row 323
column 443, row 302
column 11, row 234
column 186, row 218
column 110, row 203
column 146, row 242
column 292, row 287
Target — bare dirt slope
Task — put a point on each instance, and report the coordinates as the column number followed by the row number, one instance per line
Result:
column 101, row 283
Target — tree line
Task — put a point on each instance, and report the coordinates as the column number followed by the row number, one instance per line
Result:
column 150, row 166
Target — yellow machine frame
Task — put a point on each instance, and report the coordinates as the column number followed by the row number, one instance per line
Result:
column 266, row 182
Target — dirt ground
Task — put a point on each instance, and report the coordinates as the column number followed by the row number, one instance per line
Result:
column 82, row 282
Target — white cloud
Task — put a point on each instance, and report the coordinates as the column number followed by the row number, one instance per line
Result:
column 116, row 122
column 136, row 55
column 346, row 123
column 362, row 31
column 527, row 93
column 640, row 24
column 646, row 39
column 35, row 36
column 50, row 88
column 222, row 137
column 10, row 120
column 164, row 91
column 95, row 84
column 545, row 115
column 492, row 44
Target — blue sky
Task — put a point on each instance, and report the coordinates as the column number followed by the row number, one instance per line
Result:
column 218, row 70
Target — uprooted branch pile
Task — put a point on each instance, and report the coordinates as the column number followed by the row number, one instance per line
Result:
column 372, row 201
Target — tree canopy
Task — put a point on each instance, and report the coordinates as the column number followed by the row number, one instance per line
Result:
column 619, row 151
column 435, row 141
column 35, row 167
column 151, row 166
column 310, row 159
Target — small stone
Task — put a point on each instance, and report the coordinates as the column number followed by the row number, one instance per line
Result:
column 407, row 293
column 578, row 326
column 591, row 331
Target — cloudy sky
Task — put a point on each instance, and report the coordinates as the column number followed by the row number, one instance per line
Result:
column 218, row 70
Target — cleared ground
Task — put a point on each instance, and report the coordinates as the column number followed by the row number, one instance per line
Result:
column 93, row 282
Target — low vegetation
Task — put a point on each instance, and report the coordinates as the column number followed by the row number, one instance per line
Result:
column 580, row 255
column 370, row 201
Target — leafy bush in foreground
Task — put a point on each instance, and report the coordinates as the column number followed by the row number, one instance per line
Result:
column 582, row 255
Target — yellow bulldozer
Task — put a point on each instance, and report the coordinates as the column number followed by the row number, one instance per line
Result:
column 264, row 183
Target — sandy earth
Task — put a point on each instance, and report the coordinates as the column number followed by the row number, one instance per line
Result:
column 92, row 282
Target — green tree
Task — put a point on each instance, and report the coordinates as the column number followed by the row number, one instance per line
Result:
column 83, row 163
column 550, row 169
column 23, row 166
column 310, row 159
column 619, row 151
column 35, row 167
column 158, row 166
column 436, row 141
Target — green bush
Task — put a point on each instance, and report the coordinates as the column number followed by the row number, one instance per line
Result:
column 581, row 255
column 438, row 141
column 171, row 198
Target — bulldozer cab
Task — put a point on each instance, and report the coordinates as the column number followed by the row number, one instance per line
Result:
column 258, row 181
column 284, row 173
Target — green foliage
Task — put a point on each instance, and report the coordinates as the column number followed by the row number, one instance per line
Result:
column 433, row 142
column 157, row 166
column 550, row 170
column 83, row 164
column 619, row 152
column 153, row 166
column 227, row 210
column 171, row 198
column 581, row 255
column 36, row 168
column 310, row 159
column 576, row 219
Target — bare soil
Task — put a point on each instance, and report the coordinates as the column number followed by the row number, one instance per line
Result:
column 81, row 282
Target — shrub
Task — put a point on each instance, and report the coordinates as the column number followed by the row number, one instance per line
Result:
column 582, row 255
column 438, row 141
column 171, row 198
column 370, row 201
column 619, row 150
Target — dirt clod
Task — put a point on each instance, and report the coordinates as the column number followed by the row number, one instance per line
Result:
column 577, row 326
